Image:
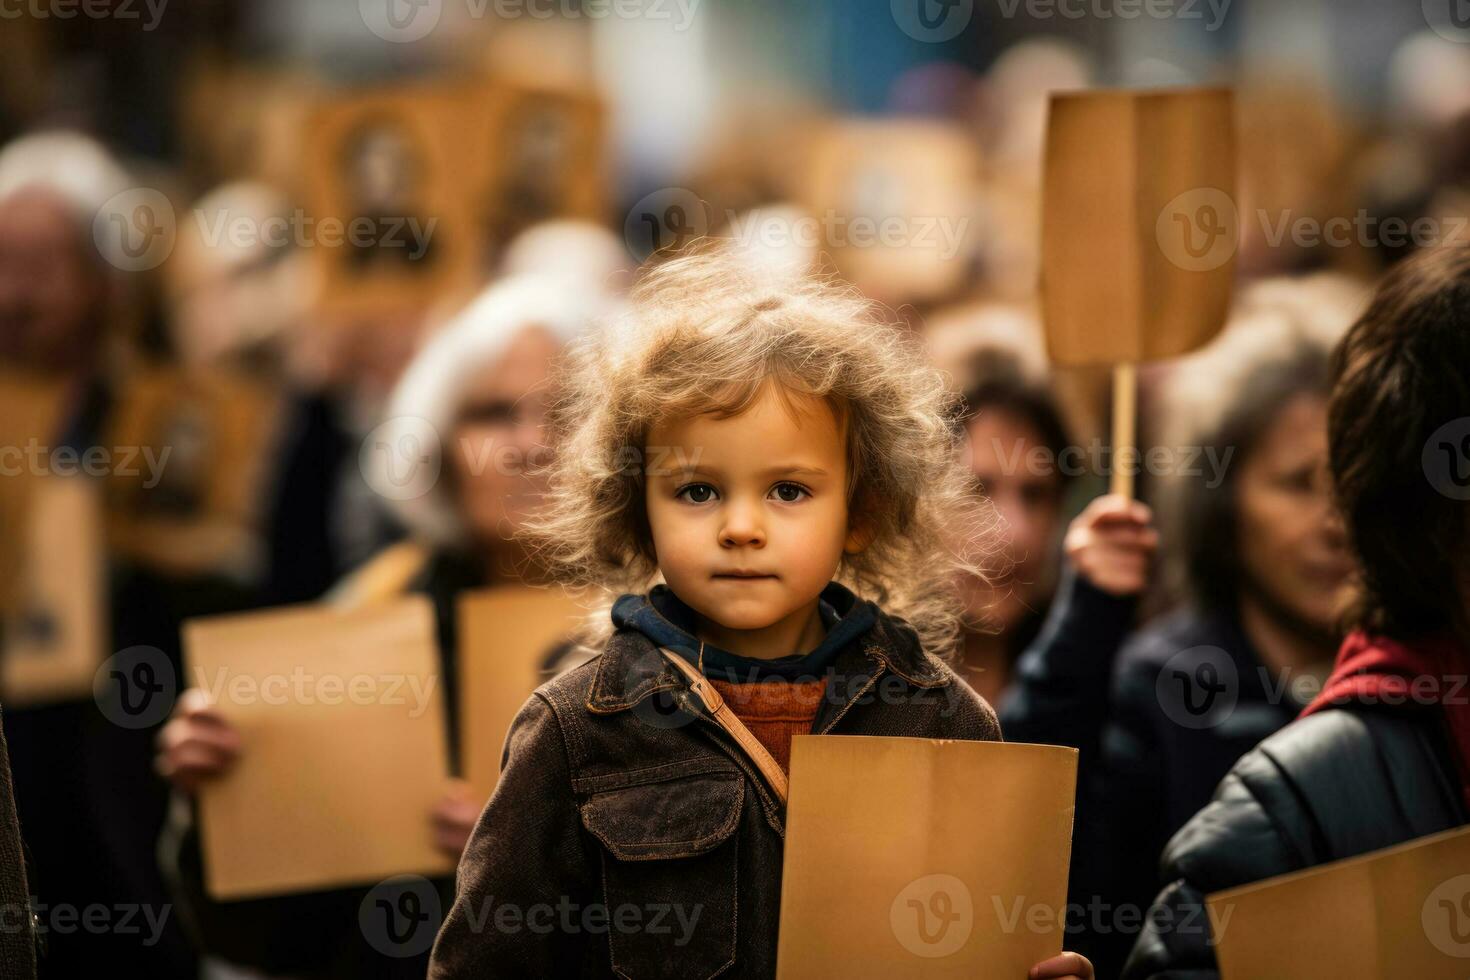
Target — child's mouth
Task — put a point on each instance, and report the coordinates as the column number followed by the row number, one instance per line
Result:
column 743, row 576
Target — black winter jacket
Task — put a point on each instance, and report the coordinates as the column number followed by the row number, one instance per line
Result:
column 1329, row 786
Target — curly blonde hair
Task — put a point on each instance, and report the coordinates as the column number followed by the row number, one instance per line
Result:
column 705, row 333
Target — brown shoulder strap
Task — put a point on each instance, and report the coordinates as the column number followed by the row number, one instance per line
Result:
column 730, row 722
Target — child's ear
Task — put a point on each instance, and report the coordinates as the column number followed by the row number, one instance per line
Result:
column 860, row 534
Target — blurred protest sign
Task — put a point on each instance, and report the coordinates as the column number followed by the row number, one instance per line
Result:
column 54, row 632
column 1403, row 911
column 342, row 720
column 190, row 480
column 1139, row 234
column 893, row 203
column 30, row 414
column 505, row 635
column 386, row 199
column 540, row 156
column 964, row 857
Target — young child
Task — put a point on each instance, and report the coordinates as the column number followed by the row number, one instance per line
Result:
column 785, row 462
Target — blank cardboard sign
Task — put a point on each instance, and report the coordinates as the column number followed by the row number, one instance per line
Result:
column 896, row 200
column 958, row 868
column 1139, row 226
column 342, row 720
column 1400, row 912
column 54, row 635
column 504, row 636
column 31, row 410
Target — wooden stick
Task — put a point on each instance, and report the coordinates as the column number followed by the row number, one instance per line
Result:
column 1125, row 427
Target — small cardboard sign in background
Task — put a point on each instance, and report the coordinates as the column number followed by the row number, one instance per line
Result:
column 335, row 785
column 540, row 155
column 1400, row 912
column 897, row 203
column 956, row 867
column 385, row 172
column 54, row 634
column 505, row 634
column 30, row 416
column 196, row 453
column 1139, row 226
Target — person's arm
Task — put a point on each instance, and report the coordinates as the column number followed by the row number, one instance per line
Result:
column 528, row 853
column 1243, row 835
column 1059, row 694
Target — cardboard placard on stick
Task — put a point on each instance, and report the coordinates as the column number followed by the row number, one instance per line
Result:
column 505, row 634
column 957, row 869
column 1139, row 233
column 342, row 720
column 1400, row 912
column 54, row 634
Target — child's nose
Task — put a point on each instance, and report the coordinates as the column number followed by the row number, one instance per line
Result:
column 742, row 526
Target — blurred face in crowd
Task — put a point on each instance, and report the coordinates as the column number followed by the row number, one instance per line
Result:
column 499, row 453
column 1291, row 544
column 50, row 286
column 1029, row 502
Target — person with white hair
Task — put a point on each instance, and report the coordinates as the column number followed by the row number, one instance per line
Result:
column 86, row 806
column 54, row 285
column 459, row 458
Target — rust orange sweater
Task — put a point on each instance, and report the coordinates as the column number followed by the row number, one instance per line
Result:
column 774, row 710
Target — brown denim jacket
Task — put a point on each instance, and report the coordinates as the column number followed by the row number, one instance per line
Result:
column 630, row 837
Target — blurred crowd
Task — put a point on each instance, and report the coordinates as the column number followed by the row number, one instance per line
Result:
column 265, row 419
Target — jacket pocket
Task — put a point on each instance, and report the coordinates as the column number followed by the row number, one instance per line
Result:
column 669, row 872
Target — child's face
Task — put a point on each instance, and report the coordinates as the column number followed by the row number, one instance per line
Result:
column 763, row 492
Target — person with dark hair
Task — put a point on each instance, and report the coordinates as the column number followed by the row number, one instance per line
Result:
column 1262, row 566
column 1382, row 754
column 1009, row 416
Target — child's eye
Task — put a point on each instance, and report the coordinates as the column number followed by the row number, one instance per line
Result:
column 790, row 493
column 696, row 493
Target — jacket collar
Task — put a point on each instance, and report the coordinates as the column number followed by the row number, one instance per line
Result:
column 631, row 667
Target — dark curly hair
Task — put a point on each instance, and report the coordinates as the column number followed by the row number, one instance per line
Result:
column 1401, row 373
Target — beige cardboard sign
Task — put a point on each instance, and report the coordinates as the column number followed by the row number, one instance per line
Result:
column 1139, row 226
column 505, row 634
column 30, row 414
column 896, row 202
column 1400, row 912
column 954, row 865
column 341, row 717
column 385, row 189
column 189, row 502
column 541, row 155
column 54, row 634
